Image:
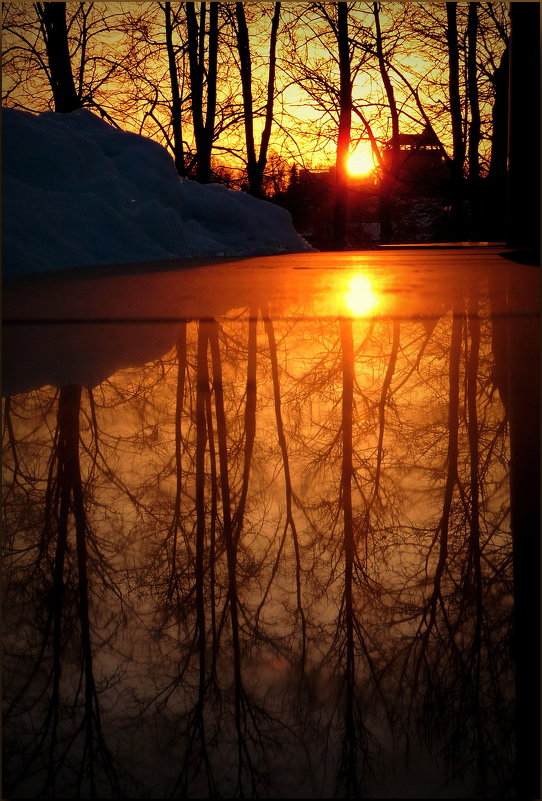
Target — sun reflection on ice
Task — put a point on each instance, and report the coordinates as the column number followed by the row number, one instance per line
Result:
column 360, row 297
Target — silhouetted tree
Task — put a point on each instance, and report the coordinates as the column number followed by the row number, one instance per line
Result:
column 176, row 104
column 390, row 171
column 285, row 539
column 202, row 76
column 69, row 742
column 458, row 151
column 256, row 163
column 340, row 28
column 52, row 18
column 474, row 132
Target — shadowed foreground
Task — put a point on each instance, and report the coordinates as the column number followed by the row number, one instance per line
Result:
column 274, row 531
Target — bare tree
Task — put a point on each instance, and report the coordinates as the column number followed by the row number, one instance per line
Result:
column 176, row 105
column 201, row 43
column 474, row 132
column 52, row 18
column 255, row 163
column 340, row 28
column 458, row 152
column 390, row 171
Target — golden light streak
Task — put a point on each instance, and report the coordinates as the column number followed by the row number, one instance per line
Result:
column 360, row 297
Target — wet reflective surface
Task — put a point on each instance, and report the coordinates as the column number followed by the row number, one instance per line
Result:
column 258, row 537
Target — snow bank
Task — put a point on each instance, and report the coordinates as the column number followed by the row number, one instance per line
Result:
column 77, row 192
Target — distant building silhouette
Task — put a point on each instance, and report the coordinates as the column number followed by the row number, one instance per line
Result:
column 421, row 167
column 418, row 196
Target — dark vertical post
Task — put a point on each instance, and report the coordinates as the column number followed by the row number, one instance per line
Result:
column 524, row 414
column 516, row 351
column 524, row 128
column 495, row 198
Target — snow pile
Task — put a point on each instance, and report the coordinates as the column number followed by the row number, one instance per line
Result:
column 77, row 192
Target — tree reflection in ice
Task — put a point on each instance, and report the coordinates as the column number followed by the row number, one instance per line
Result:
column 277, row 559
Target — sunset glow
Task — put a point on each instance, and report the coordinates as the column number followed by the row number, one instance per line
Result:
column 360, row 162
column 360, row 297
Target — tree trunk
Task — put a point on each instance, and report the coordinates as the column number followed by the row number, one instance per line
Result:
column 391, row 169
column 196, row 84
column 256, row 165
column 229, row 541
column 52, row 17
column 243, row 47
column 212, row 72
column 203, row 129
column 176, row 119
column 202, row 388
column 269, row 106
column 458, row 157
column 474, row 124
column 290, row 520
column 351, row 745
column 343, row 139
column 496, row 211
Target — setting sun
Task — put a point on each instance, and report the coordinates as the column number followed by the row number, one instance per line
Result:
column 360, row 297
column 360, row 162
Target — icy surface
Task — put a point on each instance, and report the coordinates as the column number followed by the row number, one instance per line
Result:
column 79, row 192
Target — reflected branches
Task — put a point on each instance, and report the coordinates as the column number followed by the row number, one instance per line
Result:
column 66, row 731
column 179, row 400
column 275, row 559
column 355, row 737
column 289, row 496
column 449, row 661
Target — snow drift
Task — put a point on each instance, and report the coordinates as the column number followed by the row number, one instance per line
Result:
column 79, row 192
